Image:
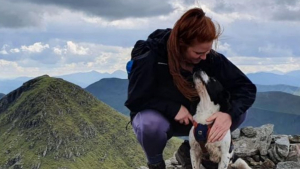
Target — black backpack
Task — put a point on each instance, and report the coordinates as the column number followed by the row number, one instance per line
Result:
column 139, row 48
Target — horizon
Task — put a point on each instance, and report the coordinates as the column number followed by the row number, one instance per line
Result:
column 271, row 72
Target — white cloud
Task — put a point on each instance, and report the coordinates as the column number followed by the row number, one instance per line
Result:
column 67, row 59
column 257, row 64
column 15, row 50
column 10, row 69
column 58, row 51
column 225, row 48
column 275, row 51
column 37, row 47
column 3, row 50
column 76, row 49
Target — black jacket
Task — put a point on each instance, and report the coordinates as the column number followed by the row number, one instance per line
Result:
column 151, row 85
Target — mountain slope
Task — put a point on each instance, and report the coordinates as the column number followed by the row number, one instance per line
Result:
column 284, row 123
column 51, row 123
column 112, row 91
column 278, row 102
column 295, row 73
column 1, row 95
column 280, row 88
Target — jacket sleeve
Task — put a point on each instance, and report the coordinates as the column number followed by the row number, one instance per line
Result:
column 142, row 88
column 242, row 90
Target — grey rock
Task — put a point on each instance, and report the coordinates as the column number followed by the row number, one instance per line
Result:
column 282, row 146
column 276, row 137
column 264, row 158
column 268, row 164
column 252, row 162
column 249, row 132
column 245, row 146
column 236, row 134
column 256, row 158
column 294, row 154
column 274, row 156
column 288, row 165
column 294, row 138
column 280, row 149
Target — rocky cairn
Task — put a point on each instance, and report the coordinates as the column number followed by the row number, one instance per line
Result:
column 261, row 149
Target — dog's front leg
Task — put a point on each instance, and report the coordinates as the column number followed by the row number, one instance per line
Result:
column 225, row 158
column 225, row 155
column 195, row 151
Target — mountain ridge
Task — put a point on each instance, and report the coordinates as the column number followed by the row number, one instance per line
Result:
column 281, row 104
column 51, row 123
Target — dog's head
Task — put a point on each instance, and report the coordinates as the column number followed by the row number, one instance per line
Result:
column 214, row 88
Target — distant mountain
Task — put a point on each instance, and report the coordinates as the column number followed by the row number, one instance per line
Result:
column 295, row 73
column 51, row 123
column 283, row 123
column 263, row 78
column 278, row 108
column 280, row 88
column 112, row 91
column 278, row 102
column 1, row 95
column 8, row 85
column 87, row 78
column 82, row 79
column 274, row 105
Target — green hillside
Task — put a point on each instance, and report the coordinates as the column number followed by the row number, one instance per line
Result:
column 51, row 123
column 1, row 95
column 112, row 91
column 278, row 102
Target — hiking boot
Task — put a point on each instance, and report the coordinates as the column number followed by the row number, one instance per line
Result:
column 160, row 165
column 183, row 155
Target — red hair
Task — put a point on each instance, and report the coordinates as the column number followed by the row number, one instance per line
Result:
column 192, row 27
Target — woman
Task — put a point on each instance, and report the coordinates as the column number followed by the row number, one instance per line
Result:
column 161, row 96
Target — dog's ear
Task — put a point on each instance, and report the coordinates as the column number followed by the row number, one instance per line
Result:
column 214, row 88
column 224, row 101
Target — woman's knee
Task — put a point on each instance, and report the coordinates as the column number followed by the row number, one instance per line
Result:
column 150, row 123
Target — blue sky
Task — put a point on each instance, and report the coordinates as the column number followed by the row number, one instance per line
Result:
column 62, row 37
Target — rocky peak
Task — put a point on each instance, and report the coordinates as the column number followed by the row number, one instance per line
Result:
column 15, row 94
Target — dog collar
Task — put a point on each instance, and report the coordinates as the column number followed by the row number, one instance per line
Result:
column 201, row 131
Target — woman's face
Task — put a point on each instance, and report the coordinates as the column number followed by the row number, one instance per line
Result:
column 197, row 52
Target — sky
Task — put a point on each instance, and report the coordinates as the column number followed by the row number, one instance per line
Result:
column 62, row 37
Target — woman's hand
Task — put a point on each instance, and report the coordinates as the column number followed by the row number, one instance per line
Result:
column 222, row 123
column 183, row 116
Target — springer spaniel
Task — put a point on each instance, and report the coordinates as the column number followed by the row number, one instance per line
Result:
column 212, row 99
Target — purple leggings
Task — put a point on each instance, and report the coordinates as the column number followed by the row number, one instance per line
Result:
column 153, row 131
